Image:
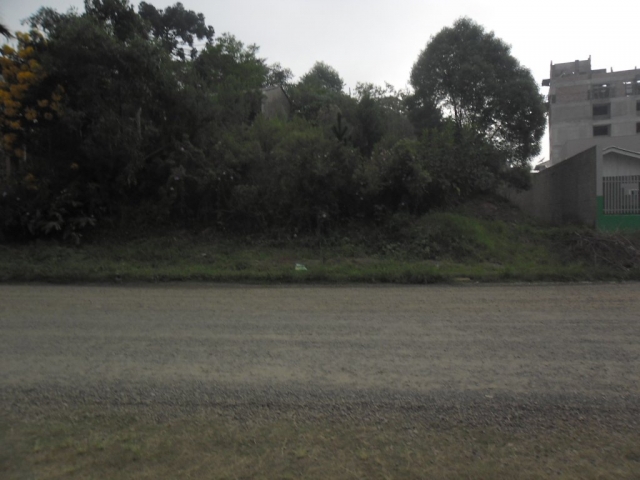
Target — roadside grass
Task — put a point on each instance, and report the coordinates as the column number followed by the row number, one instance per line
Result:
column 458, row 245
column 94, row 443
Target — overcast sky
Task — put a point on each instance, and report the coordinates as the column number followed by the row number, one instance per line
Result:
column 379, row 40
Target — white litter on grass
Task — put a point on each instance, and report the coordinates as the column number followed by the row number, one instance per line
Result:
column 300, row 267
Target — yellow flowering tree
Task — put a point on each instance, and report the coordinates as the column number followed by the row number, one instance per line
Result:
column 26, row 98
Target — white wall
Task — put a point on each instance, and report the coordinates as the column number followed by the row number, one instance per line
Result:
column 615, row 164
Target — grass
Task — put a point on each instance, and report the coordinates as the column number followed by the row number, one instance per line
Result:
column 93, row 443
column 438, row 247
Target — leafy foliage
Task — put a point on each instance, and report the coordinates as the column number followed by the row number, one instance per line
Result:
column 398, row 178
column 318, row 96
column 323, row 77
column 143, row 118
column 5, row 32
column 176, row 27
column 380, row 116
column 278, row 75
column 470, row 76
column 26, row 97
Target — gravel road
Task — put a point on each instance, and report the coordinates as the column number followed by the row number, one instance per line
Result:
column 503, row 350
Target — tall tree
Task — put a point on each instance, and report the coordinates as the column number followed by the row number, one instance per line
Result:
column 319, row 96
column 323, row 77
column 278, row 76
column 469, row 75
column 177, row 27
column 117, row 16
column 234, row 74
column 128, row 103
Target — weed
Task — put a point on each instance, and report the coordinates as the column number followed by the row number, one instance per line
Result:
column 209, row 445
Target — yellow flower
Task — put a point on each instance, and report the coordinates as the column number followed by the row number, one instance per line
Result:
column 26, row 52
column 12, row 103
column 15, row 125
column 18, row 152
column 29, row 177
column 7, row 50
column 26, row 77
column 18, row 91
column 56, row 107
column 74, row 166
column 9, row 139
column 43, row 103
column 30, row 114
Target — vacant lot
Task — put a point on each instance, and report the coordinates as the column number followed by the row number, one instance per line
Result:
column 343, row 382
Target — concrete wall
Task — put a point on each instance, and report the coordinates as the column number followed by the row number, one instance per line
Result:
column 566, row 192
column 570, row 68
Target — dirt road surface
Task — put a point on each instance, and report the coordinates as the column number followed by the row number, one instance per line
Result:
column 503, row 350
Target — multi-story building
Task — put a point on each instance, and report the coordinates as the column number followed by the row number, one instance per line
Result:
column 592, row 107
column 593, row 174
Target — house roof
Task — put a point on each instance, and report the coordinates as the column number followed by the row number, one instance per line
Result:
column 276, row 87
column 621, row 151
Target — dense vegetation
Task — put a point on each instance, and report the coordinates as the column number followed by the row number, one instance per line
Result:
column 140, row 117
column 486, row 239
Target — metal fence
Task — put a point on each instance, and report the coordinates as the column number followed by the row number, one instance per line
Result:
column 621, row 195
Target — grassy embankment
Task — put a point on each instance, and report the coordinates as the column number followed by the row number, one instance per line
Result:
column 485, row 241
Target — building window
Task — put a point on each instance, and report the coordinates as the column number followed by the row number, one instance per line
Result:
column 632, row 88
column 600, row 91
column 602, row 111
column 637, row 127
column 629, row 88
column 601, row 130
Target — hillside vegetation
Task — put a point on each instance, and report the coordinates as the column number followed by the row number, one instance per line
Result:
column 121, row 116
column 486, row 240
column 133, row 148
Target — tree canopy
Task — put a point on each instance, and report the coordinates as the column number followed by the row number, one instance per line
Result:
column 175, row 27
column 319, row 93
column 130, row 116
column 470, row 76
column 323, row 77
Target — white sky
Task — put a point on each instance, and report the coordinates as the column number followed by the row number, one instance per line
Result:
column 379, row 40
